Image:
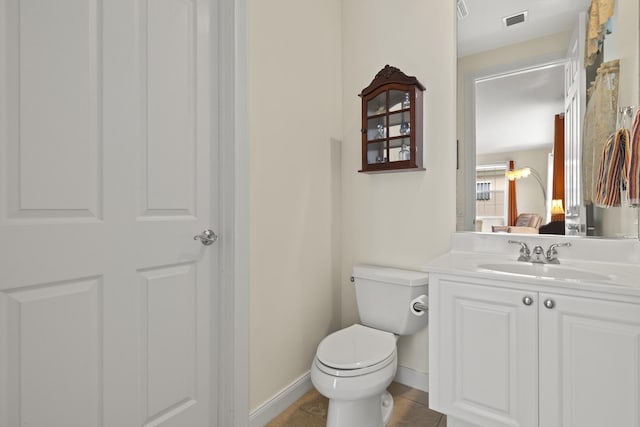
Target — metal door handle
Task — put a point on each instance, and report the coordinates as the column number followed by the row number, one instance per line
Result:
column 207, row 237
column 549, row 303
column 527, row 300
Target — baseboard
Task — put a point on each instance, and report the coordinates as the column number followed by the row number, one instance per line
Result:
column 287, row 396
column 281, row 401
column 411, row 378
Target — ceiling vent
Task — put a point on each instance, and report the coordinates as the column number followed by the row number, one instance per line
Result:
column 462, row 9
column 518, row 18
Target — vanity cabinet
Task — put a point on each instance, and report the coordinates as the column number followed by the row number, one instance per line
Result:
column 509, row 356
column 392, row 122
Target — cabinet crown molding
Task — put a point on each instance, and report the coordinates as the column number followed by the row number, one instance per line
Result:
column 390, row 75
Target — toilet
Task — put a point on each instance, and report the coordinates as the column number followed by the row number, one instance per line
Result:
column 354, row 366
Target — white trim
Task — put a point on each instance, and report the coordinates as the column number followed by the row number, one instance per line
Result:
column 281, row 401
column 294, row 391
column 217, row 203
column 231, row 364
column 456, row 422
column 412, row 378
column 241, row 161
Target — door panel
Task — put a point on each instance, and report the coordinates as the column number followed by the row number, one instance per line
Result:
column 170, row 149
column 69, row 343
column 58, row 110
column 106, row 176
column 488, row 370
column 169, row 344
column 589, row 363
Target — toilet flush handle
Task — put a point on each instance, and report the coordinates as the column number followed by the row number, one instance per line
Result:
column 418, row 306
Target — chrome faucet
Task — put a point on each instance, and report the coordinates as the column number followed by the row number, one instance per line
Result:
column 552, row 254
column 525, row 253
column 538, row 256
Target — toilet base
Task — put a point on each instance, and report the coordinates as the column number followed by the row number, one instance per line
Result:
column 374, row 411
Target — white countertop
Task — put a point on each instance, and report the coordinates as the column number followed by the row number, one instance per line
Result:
column 600, row 265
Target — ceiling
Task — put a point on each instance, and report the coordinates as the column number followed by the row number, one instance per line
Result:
column 515, row 112
column 482, row 29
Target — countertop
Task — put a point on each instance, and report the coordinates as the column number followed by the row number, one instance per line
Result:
column 592, row 265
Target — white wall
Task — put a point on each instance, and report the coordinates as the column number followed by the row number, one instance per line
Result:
column 295, row 111
column 312, row 215
column 623, row 44
column 399, row 219
column 541, row 50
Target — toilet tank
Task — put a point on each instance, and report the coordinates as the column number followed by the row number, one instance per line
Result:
column 384, row 298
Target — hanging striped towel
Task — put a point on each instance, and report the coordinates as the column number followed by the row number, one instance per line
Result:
column 613, row 171
column 633, row 169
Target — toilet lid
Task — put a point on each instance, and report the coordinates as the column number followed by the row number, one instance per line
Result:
column 356, row 347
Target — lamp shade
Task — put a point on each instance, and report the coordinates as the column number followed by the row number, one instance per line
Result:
column 556, row 207
column 512, row 175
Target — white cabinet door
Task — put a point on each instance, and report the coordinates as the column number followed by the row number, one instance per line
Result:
column 487, row 354
column 105, row 177
column 589, row 362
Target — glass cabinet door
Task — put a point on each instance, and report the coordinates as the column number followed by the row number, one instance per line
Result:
column 389, row 127
column 392, row 122
column 377, row 105
column 399, row 100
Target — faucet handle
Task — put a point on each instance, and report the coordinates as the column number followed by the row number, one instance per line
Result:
column 525, row 253
column 552, row 252
column 523, row 245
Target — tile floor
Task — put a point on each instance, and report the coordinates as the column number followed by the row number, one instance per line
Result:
column 411, row 409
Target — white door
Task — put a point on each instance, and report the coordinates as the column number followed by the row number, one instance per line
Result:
column 589, row 362
column 487, row 354
column 574, row 108
column 105, row 177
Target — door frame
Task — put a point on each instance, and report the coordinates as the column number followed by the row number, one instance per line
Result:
column 230, row 341
column 469, row 113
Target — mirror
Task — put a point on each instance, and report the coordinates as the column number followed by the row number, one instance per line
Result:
column 521, row 68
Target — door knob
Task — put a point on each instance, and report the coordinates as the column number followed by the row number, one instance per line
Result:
column 207, row 237
column 549, row 303
column 527, row 300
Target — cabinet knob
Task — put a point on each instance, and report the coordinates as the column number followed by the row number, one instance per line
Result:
column 549, row 303
column 527, row 300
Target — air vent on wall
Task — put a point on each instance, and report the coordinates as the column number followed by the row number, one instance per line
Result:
column 518, row 18
column 462, row 9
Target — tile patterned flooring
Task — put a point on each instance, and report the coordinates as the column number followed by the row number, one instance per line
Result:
column 411, row 409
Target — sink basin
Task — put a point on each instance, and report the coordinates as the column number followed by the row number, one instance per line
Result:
column 550, row 271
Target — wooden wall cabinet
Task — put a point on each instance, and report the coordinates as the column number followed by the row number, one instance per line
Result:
column 392, row 122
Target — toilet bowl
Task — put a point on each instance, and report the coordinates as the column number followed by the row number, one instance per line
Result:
column 354, row 366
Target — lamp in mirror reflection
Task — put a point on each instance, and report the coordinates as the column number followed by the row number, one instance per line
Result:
column 524, row 173
column 518, row 174
column 515, row 174
column 557, row 211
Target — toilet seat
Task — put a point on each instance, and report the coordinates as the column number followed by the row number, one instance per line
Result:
column 356, row 350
